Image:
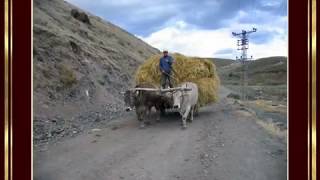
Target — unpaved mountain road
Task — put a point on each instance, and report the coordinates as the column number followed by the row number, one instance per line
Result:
column 223, row 143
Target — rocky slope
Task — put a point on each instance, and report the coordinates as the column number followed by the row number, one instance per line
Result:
column 80, row 64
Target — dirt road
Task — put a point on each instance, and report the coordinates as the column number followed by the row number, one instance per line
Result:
column 223, row 143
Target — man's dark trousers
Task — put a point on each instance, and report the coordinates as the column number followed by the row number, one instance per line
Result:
column 164, row 79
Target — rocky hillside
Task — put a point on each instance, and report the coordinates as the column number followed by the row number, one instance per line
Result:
column 80, row 64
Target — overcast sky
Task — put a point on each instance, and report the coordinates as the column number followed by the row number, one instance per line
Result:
column 199, row 27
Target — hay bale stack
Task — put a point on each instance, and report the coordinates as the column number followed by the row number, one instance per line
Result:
column 188, row 69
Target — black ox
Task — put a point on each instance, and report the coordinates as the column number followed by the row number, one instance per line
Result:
column 143, row 99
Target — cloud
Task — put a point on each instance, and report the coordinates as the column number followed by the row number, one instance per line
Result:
column 199, row 27
column 188, row 40
column 144, row 17
column 270, row 40
column 136, row 16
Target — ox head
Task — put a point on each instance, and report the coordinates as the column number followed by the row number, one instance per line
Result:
column 178, row 96
column 129, row 99
column 167, row 99
column 134, row 95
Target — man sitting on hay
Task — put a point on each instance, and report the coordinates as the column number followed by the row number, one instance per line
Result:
column 165, row 65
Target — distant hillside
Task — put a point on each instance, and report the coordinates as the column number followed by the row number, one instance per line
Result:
column 267, row 77
column 80, row 65
column 264, row 71
column 219, row 62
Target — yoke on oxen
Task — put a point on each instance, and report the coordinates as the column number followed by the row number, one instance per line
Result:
column 161, row 90
column 142, row 99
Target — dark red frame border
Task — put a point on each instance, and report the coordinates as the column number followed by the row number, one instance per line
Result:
column 21, row 92
column 298, row 90
column 21, row 89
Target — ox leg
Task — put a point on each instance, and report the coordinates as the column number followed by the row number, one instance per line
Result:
column 196, row 110
column 142, row 125
column 185, row 116
column 191, row 113
column 140, row 114
column 188, row 117
column 162, row 111
column 158, row 115
column 148, row 114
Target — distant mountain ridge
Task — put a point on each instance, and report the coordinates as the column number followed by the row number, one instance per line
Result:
column 263, row 71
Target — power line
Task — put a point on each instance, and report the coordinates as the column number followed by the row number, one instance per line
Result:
column 243, row 46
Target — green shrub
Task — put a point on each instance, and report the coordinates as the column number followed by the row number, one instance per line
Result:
column 67, row 76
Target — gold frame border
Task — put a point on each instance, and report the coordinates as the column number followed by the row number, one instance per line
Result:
column 10, row 82
column 8, row 89
column 314, row 91
column 308, row 105
column 7, row 83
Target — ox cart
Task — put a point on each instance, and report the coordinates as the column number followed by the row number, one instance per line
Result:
column 182, row 99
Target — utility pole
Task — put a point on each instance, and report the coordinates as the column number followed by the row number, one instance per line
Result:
column 243, row 46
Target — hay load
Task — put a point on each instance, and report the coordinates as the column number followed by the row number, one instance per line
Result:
column 200, row 71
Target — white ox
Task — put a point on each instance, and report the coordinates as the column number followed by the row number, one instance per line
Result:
column 185, row 99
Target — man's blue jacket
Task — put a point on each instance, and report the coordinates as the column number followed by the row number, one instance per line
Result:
column 165, row 64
